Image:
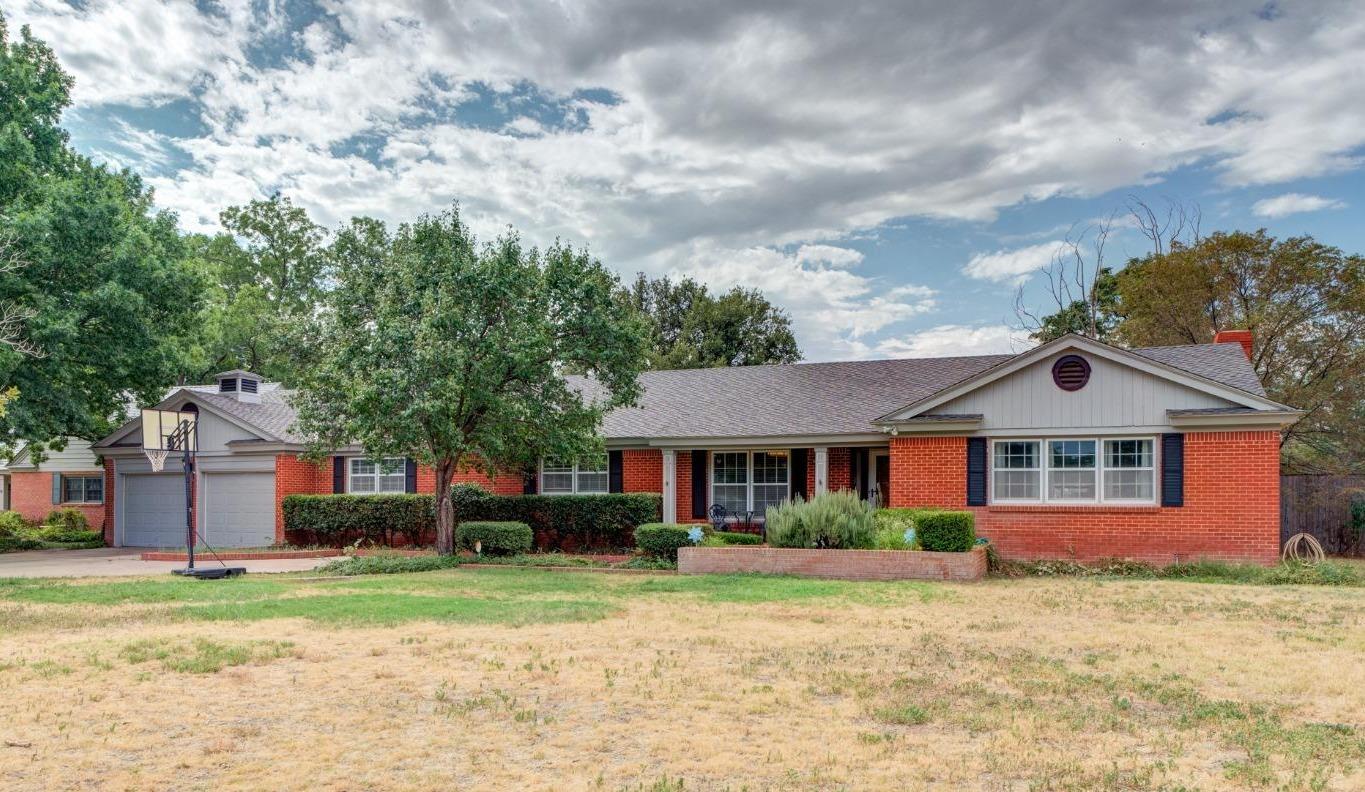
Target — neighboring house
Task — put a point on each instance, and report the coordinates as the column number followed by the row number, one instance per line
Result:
column 72, row 477
column 1072, row 449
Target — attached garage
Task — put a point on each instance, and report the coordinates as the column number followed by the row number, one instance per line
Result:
column 153, row 510
column 238, row 509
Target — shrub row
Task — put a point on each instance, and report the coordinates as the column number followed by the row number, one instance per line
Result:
column 557, row 522
column 564, row 522
column 338, row 520
column 63, row 526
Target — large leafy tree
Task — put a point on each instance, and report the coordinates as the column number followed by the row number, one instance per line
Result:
column 437, row 348
column 1304, row 303
column 266, row 272
column 102, row 288
column 691, row 328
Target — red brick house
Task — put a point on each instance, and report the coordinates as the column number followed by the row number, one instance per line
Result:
column 1074, row 449
column 72, row 478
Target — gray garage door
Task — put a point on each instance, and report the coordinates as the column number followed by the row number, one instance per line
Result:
column 239, row 509
column 153, row 511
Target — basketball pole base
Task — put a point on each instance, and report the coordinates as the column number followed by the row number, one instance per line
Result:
column 210, row 573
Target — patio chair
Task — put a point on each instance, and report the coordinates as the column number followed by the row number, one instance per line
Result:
column 720, row 516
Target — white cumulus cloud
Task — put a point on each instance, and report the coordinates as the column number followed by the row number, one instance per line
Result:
column 1293, row 203
column 1012, row 266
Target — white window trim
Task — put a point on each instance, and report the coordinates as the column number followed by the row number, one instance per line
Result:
column 1044, row 467
column 749, row 473
column 83, row 502
column 573, row 476
column 378, row 464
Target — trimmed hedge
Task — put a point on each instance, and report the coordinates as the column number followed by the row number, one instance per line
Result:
column 662, row 540
column 558, row 522
column 339, row 520
column 946, row 531
column 494, row 538
column 564, row 522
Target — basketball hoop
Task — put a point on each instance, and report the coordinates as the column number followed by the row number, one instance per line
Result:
column 157, row 458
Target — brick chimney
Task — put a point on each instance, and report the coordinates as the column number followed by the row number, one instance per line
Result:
column 1242, row 337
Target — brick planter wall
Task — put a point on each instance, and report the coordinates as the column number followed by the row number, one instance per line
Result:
column 836, row 564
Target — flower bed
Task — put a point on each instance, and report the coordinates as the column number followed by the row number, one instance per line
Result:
column 837, row 564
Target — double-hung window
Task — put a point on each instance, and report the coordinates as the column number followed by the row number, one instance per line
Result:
column 82, row 489
column 743, row 481
column 586, row 476
column 1129, row 470
column 1074, row 470
column 377, row 476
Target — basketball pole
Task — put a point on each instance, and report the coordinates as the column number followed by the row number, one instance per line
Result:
column 187, row 455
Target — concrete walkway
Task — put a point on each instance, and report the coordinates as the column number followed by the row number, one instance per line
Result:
column 110, row 561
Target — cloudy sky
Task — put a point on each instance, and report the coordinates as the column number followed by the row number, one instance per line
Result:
column 888, row 171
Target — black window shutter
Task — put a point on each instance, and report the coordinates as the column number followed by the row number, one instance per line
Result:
column 699, row 504
column 1173, row 469
column 56, row 487
column 338, row 474
column 976, row 471
column 799, row 459
column 410, row 476
column 530, row 482
column 615, row 476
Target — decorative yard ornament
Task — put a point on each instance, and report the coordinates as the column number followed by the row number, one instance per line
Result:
column 910, row 537
column 478, row 547
column 695, row 535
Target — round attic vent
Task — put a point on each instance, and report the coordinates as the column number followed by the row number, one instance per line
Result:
column 1071, row 372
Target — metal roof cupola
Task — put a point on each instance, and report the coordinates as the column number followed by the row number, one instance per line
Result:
column 240, row 385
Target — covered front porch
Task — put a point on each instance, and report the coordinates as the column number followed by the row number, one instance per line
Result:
column 734, row 486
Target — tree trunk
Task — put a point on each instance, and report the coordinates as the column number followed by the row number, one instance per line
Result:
column 445, row 508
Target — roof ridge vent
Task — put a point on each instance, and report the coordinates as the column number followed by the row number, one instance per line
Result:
column 243, row 386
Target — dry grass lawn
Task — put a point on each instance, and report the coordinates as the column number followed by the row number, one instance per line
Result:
column 524, row 679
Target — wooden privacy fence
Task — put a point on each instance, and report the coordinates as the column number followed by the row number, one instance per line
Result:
column 1321, row 506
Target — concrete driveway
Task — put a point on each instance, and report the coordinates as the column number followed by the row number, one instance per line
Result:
column 110, row 561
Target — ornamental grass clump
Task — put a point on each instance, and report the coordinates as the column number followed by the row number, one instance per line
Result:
column 832, row 520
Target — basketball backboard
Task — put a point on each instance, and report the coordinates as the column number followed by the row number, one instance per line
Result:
column 170, row 430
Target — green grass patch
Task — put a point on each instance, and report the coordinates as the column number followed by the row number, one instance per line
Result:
column 202, row 656
column 753, row 588
column 1328, row 573
column 167, row 589
column 388, row 609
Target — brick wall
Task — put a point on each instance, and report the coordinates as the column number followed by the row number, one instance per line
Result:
column 1231, row 511
column 31, row 496
column 840, row 474
column 683, row 501
column 500, row 484
column 642, row 470
column 295, row 476
column 108, row 501
column 928, row 471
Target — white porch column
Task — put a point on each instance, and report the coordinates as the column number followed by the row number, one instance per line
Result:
column 670, row 485
column 821, row 470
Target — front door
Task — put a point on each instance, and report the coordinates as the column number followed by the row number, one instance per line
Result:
column 881, row 471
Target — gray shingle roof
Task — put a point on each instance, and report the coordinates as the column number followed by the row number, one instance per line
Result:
column 1223, row 363
column 779, row 400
